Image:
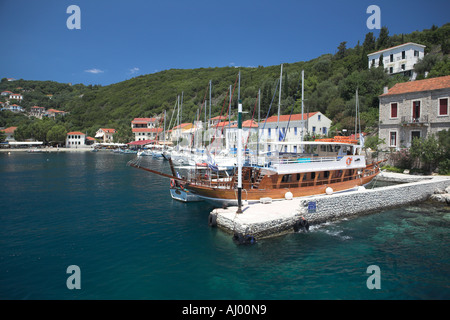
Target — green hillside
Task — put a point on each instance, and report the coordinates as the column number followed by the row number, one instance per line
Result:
column 330, row 84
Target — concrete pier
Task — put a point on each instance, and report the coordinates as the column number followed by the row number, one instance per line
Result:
column 264, row 220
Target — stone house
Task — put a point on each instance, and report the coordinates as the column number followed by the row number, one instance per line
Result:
column 413, row 109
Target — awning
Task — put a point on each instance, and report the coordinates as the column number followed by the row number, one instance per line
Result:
column 141, row 142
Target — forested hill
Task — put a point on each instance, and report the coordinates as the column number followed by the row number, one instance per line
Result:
column 330, row 84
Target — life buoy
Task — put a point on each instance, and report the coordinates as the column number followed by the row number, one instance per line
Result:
column 172, row 183
column 348, row 161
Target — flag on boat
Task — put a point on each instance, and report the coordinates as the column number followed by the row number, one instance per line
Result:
column 281, row 136
column 210, row 161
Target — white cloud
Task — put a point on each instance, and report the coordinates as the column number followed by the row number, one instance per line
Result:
column 134, row 70
column 94, row 71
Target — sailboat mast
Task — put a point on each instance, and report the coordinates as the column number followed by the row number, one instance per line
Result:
column 257, row 130
column 279, row 103
column 303, row 119
column 239, row 157
column 209, row 103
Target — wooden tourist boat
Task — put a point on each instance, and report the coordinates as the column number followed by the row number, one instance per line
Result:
column 330, row 166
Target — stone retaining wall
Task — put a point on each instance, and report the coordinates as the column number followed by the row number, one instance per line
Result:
column 268, row 220
column 338, row 206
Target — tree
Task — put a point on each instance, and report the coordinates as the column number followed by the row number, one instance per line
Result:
column 428, row 151
column 57, row 134
column 383, row 38
column 342, row 50
column 369, row 42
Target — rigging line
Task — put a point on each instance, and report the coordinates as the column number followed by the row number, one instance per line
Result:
column 292, row 109
column 268, row 112
column 221, row 111
column 198, row 115
column 251, row 122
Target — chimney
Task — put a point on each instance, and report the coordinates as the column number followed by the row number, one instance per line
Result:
column 385, row 90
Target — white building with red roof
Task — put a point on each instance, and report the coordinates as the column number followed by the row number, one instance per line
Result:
column 76, row 139
column 105, row 134
column 146, row 128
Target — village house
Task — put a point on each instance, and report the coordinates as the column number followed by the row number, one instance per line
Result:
column 9, row 133
column 12, row 108
column 6, row 93
column 413, row 109
column 399, row 59
column 145, row 128
column 15, row 96
column 181, row 132
column 105, row 134
column 75, row 139
column 52, row 113
column 37, row 112
column 314, row 124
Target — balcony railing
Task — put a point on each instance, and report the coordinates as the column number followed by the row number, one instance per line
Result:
column 414, row 120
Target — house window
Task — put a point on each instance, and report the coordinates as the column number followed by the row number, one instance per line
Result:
column 314, row 129
column 394, row 110
column 403, row 55
column 391, row 70
column 295, row 130
column 416, row 53
column 324, row 130
column 393, row 138
column 443, row 107
column 269, row 131
column 403, row 67
column 295, row 151
column 318, row 117
column 391, row 58
column 414, row 135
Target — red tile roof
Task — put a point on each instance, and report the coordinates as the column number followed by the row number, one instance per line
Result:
column 419, row 86
column 294, row 117
column 246, row 124
column 75, row 133
column 108, row 130
column 143, row 120
column 9, row 130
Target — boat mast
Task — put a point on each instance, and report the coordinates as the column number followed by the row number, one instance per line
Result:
column 257, row 131
column 239, row 157
column 279, row 104
column 303, row 120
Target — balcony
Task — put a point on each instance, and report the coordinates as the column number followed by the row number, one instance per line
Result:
column 411, row 121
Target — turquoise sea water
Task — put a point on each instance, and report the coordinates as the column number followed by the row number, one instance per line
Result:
column 132, row 241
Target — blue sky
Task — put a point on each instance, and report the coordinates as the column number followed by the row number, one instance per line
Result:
column 119, row 40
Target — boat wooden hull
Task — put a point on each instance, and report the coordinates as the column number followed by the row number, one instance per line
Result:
column 229, row 196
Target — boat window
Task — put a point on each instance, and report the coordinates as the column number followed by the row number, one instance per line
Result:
column 313, row 175
column 326, row 174
column 298, row 176
column 286, row 178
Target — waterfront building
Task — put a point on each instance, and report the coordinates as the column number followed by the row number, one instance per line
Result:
column 105, row 134
column 145, row 128
column 75, row 139
column 399, row 59
column 314, row 124
column 413, row 109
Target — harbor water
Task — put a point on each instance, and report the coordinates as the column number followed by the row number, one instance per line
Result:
column 130, row 240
